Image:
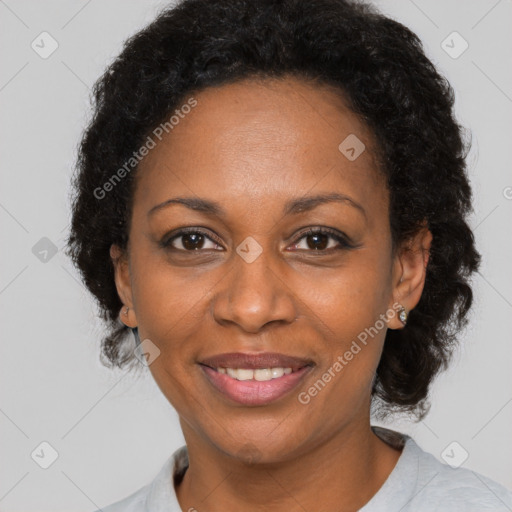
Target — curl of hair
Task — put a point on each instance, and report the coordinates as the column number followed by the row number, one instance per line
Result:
column 381, row 68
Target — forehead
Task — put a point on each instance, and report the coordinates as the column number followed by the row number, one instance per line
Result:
column 258, row 141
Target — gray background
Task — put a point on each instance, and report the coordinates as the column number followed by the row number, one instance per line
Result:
column 113, row 431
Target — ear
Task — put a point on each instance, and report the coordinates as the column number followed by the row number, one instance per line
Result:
column 409, row 273
column 123, row 285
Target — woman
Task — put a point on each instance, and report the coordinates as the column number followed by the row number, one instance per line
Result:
column 270, row 209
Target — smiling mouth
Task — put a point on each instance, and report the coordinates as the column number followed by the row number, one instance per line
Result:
column 254, row 379
column 254, row 387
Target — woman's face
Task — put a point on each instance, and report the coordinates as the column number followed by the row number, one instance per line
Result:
column 249, row 279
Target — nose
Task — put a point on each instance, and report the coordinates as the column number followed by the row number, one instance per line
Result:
column 254, row 295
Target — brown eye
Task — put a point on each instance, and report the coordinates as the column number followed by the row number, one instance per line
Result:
column 192, row 241
column 318, row 241
column 189, row 241
column 322, row 240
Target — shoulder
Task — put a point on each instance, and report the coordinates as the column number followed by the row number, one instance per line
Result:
column 133, row 503
column 442, row 487
column 420, row 482
column 159, row 494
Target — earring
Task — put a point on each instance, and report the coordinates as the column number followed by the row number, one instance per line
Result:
column 126, row 310
column 402, row 315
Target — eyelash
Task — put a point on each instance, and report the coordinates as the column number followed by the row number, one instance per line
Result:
column 343, row 242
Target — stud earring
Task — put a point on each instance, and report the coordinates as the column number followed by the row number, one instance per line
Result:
column 126, row 310
column 402, row 315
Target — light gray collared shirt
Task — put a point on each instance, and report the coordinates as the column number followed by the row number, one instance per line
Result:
column 418, row 483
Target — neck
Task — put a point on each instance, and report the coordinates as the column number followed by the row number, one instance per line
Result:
column 344, row 473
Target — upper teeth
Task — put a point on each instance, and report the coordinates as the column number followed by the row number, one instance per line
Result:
column 258, row 374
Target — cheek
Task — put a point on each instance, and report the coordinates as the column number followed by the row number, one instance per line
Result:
column 347, row 309
column 346, row 306
column 168, row 305
column 167, row 300
column 349, row 298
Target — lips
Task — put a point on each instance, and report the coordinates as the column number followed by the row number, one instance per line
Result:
column 255, row 361
column 253, row 392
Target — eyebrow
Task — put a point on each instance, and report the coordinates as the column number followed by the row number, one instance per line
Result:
column 291, row 207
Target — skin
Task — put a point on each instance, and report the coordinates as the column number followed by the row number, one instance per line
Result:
column 251, row 146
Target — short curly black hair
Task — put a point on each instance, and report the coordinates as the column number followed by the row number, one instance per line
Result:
column 378, row 64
